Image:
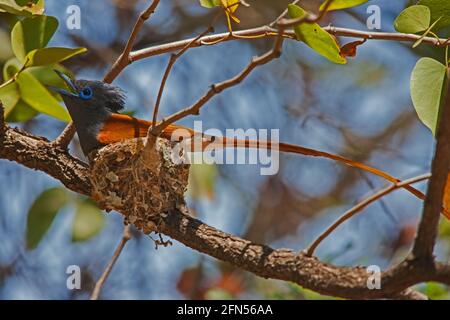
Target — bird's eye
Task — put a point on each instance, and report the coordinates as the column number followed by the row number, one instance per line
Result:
column 86, row 93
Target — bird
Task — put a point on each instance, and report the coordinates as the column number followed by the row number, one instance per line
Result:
column 95, row 106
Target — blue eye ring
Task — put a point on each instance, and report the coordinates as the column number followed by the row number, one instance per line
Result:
column 86, row 93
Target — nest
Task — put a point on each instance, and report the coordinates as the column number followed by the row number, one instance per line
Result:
column 139, row 181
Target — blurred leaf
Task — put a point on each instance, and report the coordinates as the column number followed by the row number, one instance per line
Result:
column 218, row 294
column 34, row 6
column 413, row 19
column 444, row 228
column 308, row 294
column 447, row 193
column 42, row 213
column 46, row 56
column 342, row 4
column 48, row 77
column 9, row 96
column 202, row 180
column 25, row 2
column 22, row 112
column 191, row 283
column 32, row 33
column 12, row 7
column 315, row 37
column 88, row 221
column 37, row 96
column 10, row 68
column 38, row 7
column 427, row 82
column 210, row 3
column 5, row 48
column 436, row 291
column 230, row 282
column 440, row 9
column 368, row 73
column 230, row 7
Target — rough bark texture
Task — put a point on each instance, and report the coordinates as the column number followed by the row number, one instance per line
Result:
column 284, row 264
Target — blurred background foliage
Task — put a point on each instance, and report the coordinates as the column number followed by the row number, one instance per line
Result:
column 362, row 110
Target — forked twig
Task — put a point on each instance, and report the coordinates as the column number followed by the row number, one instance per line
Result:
column 173, row 58
column 217, row 88
column 124, row 59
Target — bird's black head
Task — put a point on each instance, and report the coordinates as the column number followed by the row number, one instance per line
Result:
column 92, row 94
column 90, row 103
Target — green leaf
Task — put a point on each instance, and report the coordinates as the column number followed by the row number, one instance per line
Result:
column 436, row 291
column 9, row 96
column 46, row 56
column 32, row 33
column 38, row 7
column 12, row 7
column 38, row 97
column 218, row 294
column 22, row 112
column 202, row 181
column 88, row 221
column 427, row 83
column 342, row 4
column 11, row 67
column 439, row 9
column 413, row 19
column 418, row 42
column 209, row 3
column 48, row 77
column 23, row 3
column 42, row 213
column 315, row 37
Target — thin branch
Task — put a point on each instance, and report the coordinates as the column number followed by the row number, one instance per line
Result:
column 383, row 204
column 63, row 140
column 124, row 58
column 172, row 60
column 307, row 18
column 428, row 227
column 281, row 16
column 99, row 285
column 194, row 109
column 266, row 31
column 363, row 204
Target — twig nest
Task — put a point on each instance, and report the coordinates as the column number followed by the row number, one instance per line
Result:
column 138, row 180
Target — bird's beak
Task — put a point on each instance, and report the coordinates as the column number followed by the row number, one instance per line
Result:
column 69, row 83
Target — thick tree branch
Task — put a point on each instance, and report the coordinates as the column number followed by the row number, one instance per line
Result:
column 428, row 227
column 282, row 264
column 39, row 154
